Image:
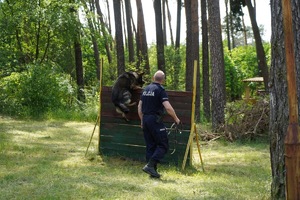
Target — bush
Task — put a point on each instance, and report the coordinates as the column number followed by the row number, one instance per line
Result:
column 234, row 77
column 10, row 95
column 35, row 91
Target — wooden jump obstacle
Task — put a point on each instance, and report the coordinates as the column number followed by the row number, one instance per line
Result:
column 122, row 138
column 118, row 137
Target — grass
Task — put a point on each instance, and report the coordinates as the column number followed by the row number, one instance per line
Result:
column 45, row 160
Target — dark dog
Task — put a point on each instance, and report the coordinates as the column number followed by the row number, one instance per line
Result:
column 122, row 91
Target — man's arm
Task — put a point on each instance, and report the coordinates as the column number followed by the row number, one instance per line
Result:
column 140, row 112
column 170, row 110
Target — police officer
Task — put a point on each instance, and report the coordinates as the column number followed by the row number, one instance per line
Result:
column 154, row 100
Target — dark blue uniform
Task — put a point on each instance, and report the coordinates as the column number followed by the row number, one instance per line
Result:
column 155, row 132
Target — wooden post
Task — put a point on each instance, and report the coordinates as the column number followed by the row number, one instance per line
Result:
column 189, row 146
column 198, row 146
column 100, row 102
column 247, row 92
column 193, row 106
column 292, row 139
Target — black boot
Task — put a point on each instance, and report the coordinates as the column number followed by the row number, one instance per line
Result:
column 155, row 167
column 150, row 168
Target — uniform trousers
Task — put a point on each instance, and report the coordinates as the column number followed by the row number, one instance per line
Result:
column 156, row 138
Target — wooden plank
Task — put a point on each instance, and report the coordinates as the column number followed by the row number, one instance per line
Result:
column 178, row 106
column 138, row 153
column 181, row 101
column 124, row 140
column 134, row 135
column 128, row 129
column 136, row 148
column 109, row 140
column 127, row 154
column 184, row 116
column 124, row 147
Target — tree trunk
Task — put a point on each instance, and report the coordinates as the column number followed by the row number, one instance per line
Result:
column 119, row 37
column 189, row 52
column 38, row 35
column 192, row 49
column 164, row 21
column 178, row 24
column 104, row 31
column 231, row 27
column 78, row 57
column 227, row 26
column 177, row 60
column 244, row 31
column 217, row 63
column 261, row 56
column 195, row 55
column 129, row 31
column 79, row 70
column 205, row 62
column 96, row 56
column 109, row 21
column 91, row 22
column 142, row 48
column 279, row 113
column 159, row 36
column 47, row 45
column 170, row 25
column 278, row 103
column 123, row 18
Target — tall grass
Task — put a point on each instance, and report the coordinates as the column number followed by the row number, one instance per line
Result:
column 45, row 160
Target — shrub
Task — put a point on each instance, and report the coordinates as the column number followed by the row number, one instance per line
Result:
column 35, row 91
column 10, row 98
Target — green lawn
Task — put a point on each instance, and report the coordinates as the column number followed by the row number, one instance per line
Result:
column 45, row 160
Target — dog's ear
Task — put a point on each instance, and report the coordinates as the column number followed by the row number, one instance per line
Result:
column 135, row 74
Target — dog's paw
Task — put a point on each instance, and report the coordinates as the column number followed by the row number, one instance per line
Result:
column 131, row 104
column 124, row 116
column 119, row 111
column 135, row 87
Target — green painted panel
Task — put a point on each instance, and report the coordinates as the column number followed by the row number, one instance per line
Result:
column 138, row 152
column 121, row 138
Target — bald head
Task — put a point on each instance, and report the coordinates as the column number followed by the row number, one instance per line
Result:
column 159, row 76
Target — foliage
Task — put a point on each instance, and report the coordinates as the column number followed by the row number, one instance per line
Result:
column 10, row 94
column 31, row 31
column 35, row 91
column 34, row 34
column 175, row 67
column 241, row 63
column 233, row 76
column 244, row 58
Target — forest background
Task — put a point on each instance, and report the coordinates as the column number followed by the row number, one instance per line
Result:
column 60, row 46
column 51, row 53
